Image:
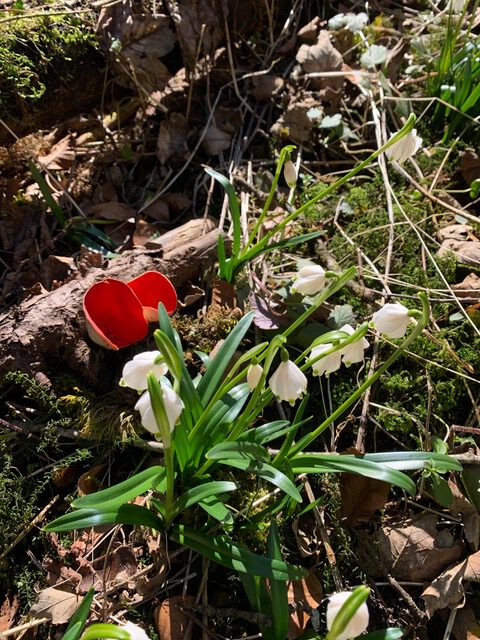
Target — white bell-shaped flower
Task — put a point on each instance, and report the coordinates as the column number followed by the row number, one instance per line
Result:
column 173, row 408
column 290, row 173
column 405, row 148
column 254, row 374
column 135, row 371
column 288, row 382
column 357, row 625
column 353, row 352
column 391, row 320
column 135, row 632
column 310, row 280
column 327, row 364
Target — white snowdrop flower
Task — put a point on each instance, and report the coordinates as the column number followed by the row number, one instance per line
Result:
column 391, row 320
column 135, row 632
column 254, row 374
column 288, row 382
column 290, row 173
column 310, row 280
column 173, row 408
column 353, row 352
column 328, row 364
column 135, row 371
column 357, row 625
column 405, row 148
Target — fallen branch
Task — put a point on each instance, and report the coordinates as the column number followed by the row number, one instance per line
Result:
column 47, row 332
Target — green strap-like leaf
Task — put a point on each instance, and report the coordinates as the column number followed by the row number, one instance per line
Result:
column 331, row 463
column 216, row 509
column 394, row 633
column 80, row 617
column 414, row 460
column 125, row 514
column 203, row 491
column 239, row 450
column 123, row 492
column 208, row 384
column 278, row 588
column 234, row 208
column 221, row 550
column 266, row 472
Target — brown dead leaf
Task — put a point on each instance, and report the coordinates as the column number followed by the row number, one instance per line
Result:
column 199, row 29
column 55, row 604
column 470, row 516
column 413, row 550
column 266, row 86
column 120, row 565
column 223, row 295
column 470, row 165
column 294, row 122
column 172, row 138
column 56, row 269
column 170, row 617
column 448, row 589
column 216, row 140
column 307, row 591
column 469, row 287
column 113, row 211
column 319, row 57
column 8, row 611
column 178, row 202
column 89, row 481
column 158, row 210
column 191, row 294
column 457, row 232
column 361, row 497
column 308, row 33
column 464, row 252
column 466, row 626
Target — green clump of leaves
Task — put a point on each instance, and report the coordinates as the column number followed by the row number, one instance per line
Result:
column 31, row 50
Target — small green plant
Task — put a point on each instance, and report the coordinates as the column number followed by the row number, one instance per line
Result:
column 456, row 79
column 229, row 267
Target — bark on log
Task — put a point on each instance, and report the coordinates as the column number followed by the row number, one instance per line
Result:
column 47, row 333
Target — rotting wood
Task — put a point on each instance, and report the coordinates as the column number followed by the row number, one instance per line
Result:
column 47, row 332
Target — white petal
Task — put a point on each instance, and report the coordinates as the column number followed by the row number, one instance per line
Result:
column 327, row 364
column 288, row 382
column 357, row 625
column 135, row 632
column 391, row 320
column 135, row 371
column 173, row 405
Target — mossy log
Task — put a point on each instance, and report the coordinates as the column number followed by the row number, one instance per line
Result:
column 47, row 333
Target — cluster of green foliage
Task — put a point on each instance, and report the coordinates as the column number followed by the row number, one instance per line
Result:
column 33, row 50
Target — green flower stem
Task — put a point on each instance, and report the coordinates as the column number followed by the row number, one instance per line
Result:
column 407, row 127
column 281, row 160
column 310, row 437
column 347, row 612
column 170, row 477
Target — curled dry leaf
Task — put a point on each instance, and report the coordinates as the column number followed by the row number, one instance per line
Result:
column 56, row 604
column 413, row 550
column 265, row 86
column 466, row 626
column 89, row 482
column 448, row 590
column 470, row 516
column 470, row 165
column 8, row 611
column 170, row 617
column 305, row 531
column 464, row 252
column 319, row 57
column 469, row 287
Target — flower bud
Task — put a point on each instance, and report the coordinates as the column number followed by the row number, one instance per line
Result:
column 358, row 623
column 288, row 382
column 405, row 148
column 135, row 371
column 310, row 280
column 353, row 352
column 254, row 374
column 290, row 173
column 391, row 320
column 327, row 364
